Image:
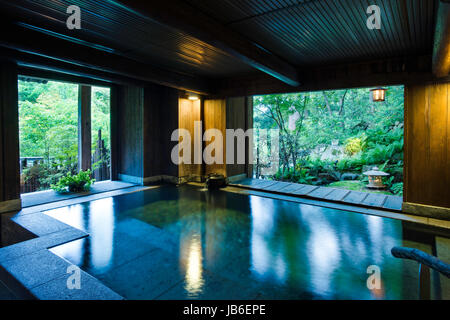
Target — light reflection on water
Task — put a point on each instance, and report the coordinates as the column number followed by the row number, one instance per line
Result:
column 256, row 243
column 321, row 248
column 194, row 269
column 97, row 219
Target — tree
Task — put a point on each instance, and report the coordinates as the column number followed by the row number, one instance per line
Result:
column 345, row 116
column 278, row 108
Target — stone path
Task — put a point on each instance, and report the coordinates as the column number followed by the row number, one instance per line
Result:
column 373, row 200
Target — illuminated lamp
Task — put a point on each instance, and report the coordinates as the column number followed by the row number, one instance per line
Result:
column 378, row 94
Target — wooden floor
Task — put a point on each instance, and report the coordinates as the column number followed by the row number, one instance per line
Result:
column 324, row 193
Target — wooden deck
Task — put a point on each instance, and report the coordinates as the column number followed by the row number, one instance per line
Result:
column 373, row 200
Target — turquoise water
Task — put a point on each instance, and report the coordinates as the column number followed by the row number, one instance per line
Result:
column 185, row 243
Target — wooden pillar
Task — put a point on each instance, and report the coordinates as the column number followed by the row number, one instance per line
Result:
column 239, row 115
column 236, row 119
column 202, row 131
column 424, row 282
column 169, row 119
column 427, row 150
column 249, row 125
column 130, row 142
column 114, row 133
column 9, row 139
column 189, row 113
column 215, row 113
column 161, row 118
column 2, row 179
column 84, row 127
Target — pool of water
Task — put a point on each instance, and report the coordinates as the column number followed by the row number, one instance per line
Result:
column 186, row 243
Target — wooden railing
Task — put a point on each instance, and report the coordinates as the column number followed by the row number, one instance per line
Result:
column 426, row 262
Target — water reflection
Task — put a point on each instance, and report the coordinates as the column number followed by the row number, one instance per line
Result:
column 262, row 229
column 101, row 227
column 324, row 255
column 324, row 250
column 190, row 227
column 209, row 242
column 194, row 269
column 96, row 218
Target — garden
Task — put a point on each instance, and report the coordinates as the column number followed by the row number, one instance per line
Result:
column 48, row 126
column 330, row 138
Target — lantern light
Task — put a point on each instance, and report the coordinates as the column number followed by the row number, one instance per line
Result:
column 193, row 96
column 376, row 178
column 378, row 94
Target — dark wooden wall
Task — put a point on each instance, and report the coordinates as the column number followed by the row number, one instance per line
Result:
column 239, row 115
column 427, row 144
column 142, row 121
column 129, row 131
column 9, row 138
column 160, row 120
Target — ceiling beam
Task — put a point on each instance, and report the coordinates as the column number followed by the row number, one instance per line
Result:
column 441, row 49
column 384, row 72
column 271, row 11
column 183, row 17
column 44, row 68
column 41, row 47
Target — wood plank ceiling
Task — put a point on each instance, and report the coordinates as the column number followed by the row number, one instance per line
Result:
column 301, row 33
column 323, row 31
column 129, row 35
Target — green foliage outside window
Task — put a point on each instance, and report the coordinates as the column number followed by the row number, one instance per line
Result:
column 338, row 134
column 48, row 126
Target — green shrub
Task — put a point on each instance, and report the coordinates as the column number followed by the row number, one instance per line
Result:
column 74, row 183
column 301, row 175
column 355, row 145
column 353, row 164
column 397, row 188
column 315, row 166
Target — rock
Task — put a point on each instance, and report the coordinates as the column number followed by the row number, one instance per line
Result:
column 349, row 176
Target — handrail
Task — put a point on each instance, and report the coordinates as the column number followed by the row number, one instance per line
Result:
column 423, row 258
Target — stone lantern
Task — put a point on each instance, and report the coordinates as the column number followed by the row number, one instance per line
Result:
column 376, row 178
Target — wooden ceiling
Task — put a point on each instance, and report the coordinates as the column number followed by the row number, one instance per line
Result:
column 129, row 34
column 210, row 41
column 323, row 31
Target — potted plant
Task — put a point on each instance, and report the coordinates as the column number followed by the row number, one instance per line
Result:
column 74, row 183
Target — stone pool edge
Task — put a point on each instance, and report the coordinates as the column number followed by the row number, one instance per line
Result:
column 46, row 279
column 31, row 271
